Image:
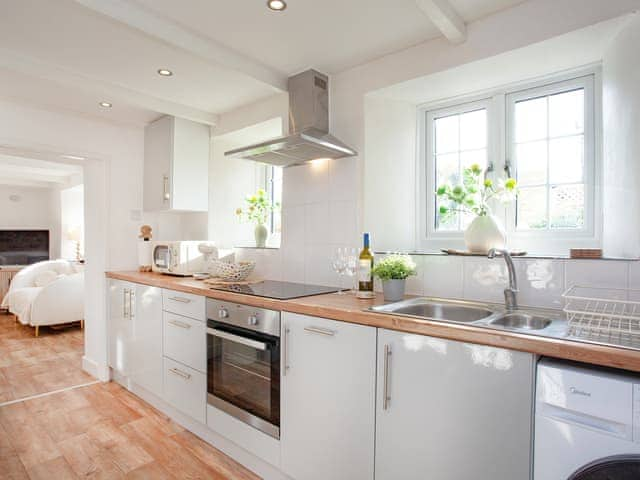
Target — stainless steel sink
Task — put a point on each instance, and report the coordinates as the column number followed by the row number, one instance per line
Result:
column 436, row 311
column 521, row 321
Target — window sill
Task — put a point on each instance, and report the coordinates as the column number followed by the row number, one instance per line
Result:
column 249, row 247
column 527, row 256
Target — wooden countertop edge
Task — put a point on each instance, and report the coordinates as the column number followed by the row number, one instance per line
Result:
column 349, row 309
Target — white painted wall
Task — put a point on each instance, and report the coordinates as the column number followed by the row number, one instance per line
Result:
column 113, row 186
column 35, row 209
column 621, row 143
column 71, row 217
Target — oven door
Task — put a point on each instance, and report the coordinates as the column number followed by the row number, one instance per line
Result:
column 161, row 257
column 243, row 375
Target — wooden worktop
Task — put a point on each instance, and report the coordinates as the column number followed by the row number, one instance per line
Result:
column 347, row 308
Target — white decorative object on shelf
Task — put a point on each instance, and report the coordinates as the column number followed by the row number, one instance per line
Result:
column 603, row 314
column 484, row 233
column 231, row 272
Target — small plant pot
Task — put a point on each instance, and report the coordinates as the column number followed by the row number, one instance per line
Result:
column 393, row 290
column 260, row 233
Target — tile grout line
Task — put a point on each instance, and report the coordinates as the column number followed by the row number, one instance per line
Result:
column 40, row 395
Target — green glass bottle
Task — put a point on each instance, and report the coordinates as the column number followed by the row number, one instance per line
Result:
column 365, row 265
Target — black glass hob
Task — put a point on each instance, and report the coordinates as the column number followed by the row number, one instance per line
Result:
column 278, row 290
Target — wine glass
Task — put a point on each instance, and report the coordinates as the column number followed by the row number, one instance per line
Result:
column 351, row 265
column 339, row 262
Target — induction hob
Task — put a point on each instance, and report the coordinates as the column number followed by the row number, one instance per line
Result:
column 278, row 290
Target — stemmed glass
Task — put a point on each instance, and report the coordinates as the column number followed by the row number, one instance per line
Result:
column 339, row 263
column 351, row 265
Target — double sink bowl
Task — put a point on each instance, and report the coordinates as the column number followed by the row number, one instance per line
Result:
column 469, row 313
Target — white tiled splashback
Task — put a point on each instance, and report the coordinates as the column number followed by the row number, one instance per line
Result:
column 320, row 214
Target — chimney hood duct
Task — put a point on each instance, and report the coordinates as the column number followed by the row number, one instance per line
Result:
column 309, row 137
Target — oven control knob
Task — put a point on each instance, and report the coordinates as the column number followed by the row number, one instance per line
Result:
column 252, row 320
column 223, row 313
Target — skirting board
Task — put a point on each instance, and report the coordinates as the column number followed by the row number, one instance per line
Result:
column 239, row 454
column 97, row 370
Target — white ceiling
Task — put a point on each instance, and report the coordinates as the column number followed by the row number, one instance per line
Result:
column 70, row 55
column 328, row 35
column 36, row 173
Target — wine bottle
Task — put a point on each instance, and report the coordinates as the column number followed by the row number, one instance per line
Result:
column 365, row 265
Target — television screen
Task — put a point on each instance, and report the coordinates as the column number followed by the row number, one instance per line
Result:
column 23, row 247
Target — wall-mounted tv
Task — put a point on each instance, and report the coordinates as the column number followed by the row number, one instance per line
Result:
column 23, row 247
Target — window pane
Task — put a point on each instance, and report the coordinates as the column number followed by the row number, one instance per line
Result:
column 566, row 159
column 450, row 223
column 532, row 208
column 567, row 206
column 531, row 163
column 447, row 169
column 470, row 157
column 446, row 133
column 531, row 119
column 566, row 113
column 473, row 130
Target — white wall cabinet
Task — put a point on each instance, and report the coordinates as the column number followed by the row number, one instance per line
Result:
column 328, row 399
column 176, row 165
column 146, row 339
column 121, row 304
column 451, row 410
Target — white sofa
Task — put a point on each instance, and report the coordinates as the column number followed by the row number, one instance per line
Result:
column 47, row 293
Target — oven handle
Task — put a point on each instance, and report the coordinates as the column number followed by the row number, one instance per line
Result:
column 237, row 338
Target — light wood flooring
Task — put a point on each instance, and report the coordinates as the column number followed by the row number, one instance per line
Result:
column 102, row 431
column 32, row 365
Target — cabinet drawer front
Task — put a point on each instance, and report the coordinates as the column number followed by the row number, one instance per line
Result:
column 185, row 304
column 185, row 389
column 185, row 340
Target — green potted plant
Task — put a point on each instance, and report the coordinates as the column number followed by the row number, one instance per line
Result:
column 257, row 211
column 474, row 196
column 394, row 270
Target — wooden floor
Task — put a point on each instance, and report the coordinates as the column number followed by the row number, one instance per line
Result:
column 102, row 431
column 32, row 365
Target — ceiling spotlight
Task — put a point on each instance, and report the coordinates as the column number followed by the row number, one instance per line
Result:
column 276, row 5
column 73, row 157
column 105, row 104
column 164, row 72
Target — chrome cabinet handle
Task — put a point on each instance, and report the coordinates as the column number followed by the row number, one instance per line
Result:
column 385, row 381
column 321, row 331
column 165, row 188
column 180, row 299
column 178, row 323
column 237, row 338
column 132, row 298
column 285, row 350
column 124, row 302
column 180, row 373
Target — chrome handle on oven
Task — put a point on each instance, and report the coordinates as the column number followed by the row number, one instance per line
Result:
column 178, row 323
column 385, row 382
column 321, row 331
column 237, row 338
column 180, row 299
column 285, row 350
column 180, row 373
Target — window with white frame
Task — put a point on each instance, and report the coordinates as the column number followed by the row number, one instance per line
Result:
column 273, row 186
column 543, row 135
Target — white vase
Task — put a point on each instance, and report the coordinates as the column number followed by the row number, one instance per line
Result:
column 260, row 233
column 484, row 233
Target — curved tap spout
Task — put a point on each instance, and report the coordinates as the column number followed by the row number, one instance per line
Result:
column 510, row 293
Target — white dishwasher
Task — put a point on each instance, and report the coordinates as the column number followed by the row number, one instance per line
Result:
column 587, row 423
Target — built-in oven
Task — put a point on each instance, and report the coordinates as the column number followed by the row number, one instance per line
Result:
column 243, row 363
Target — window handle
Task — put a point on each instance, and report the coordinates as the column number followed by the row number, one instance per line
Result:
column 507, row 168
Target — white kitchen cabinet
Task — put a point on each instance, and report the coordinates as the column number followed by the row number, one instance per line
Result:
column 146, row 339
column 451, row 410
column 185, row 389
column 185, row 340
column 176, row 165
column 328, row 399
column 121, row 298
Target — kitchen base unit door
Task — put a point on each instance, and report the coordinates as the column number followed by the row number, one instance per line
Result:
column 328, row 399
column 121, row 298
column 185, row 389
column 147, row 339
column 449, row 410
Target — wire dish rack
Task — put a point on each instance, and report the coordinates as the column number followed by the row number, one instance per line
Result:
column 611, row 315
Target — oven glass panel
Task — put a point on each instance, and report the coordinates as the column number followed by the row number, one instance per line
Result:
column 245, row 376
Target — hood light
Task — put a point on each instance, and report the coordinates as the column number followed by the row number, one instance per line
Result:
column 105, row 104
column 164, row 72
column 276, row 5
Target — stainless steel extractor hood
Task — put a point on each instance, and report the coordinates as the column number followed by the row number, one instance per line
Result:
column 309, row 138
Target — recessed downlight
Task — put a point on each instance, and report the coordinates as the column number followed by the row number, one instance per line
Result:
column 277, row 5
column 73, row 157
column 105, row 104
column 164, row 72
